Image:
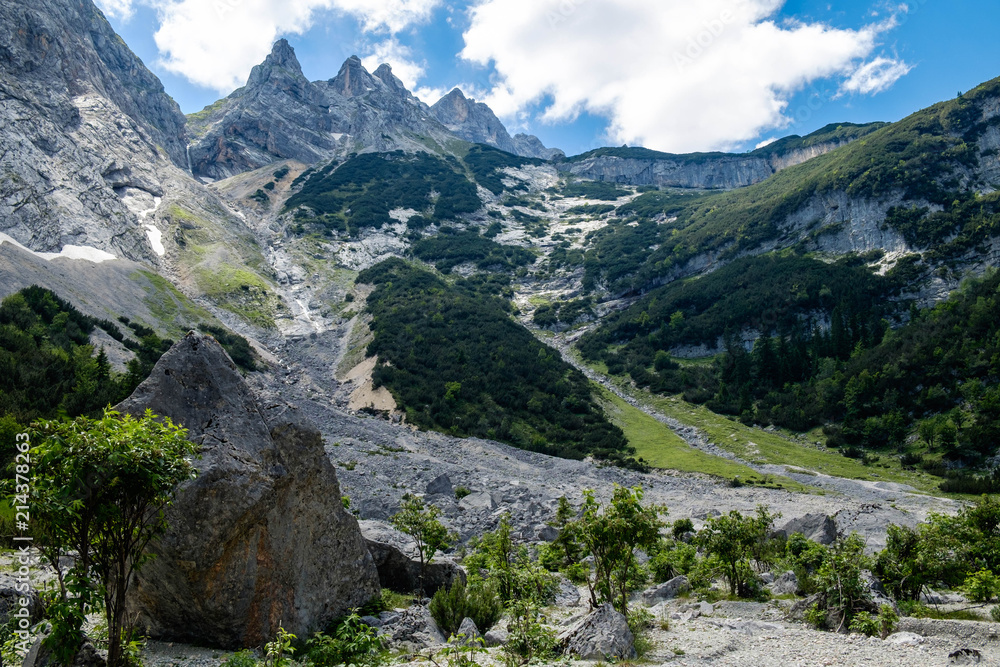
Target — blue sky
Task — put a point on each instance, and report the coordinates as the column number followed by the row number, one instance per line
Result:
column 672, row 75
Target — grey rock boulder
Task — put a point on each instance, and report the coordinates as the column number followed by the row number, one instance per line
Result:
column 469, row 632
column 819, row 528
column 602, row 635
column 497, row 635
column 786, row 583
column 666, row 591
column 398, row 562
column 413, row 629
column 86, row 656
column 260, row 538
column 440, row 485
column 567, row 594
column 11, row 596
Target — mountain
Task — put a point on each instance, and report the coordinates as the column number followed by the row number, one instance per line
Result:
column 84, row 123
column 279, row 114
column 638, row 259
column 476, row 122
column 641, row 166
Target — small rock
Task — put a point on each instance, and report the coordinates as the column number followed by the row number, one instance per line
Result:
column 666, row 591
column 706, row 608
column 546, row 533
column 819, row 528
column 567, row 595
column 767, row 578
column 372, row 621
column 904, row 638
column 480, row 500
column 785, row 584
column 497, row 636
column 440, row 485
column 468, row 631
column 602, row 635
column 965, row 656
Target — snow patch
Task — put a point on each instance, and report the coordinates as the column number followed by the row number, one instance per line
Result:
column 69, row 252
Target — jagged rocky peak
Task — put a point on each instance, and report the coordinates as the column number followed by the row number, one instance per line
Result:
column 476, row 122
column 384, row 73
column 353, row 80
column 281, row 62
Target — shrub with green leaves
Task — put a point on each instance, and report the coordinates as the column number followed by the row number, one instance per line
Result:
column 881, row 625
column 99, row 489
column 478, row 601
column 509, row 568
column 982, row 586
column 351, row 642
column 528, row 638
column 420, row 521
column 841, row 588
column 244, row 658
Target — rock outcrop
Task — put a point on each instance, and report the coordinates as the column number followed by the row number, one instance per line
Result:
column 261, row 537
column 396, row 558
column 82, row 121
column 710, row 170
column 819, row 528
column 602, row 635
column 476, row 122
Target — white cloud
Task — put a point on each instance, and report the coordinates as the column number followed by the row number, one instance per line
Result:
column 766, row 142
column 875, row 76
column 673, row 75
column 215, row 43
column 399, row 57
column 120, row 9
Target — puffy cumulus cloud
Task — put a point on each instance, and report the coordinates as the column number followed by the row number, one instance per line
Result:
column 674, row 75
column 215, row 43
column 121, row 9
column 875, row 76
column 400, row 58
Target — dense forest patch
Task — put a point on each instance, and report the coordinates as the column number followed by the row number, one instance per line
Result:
column 362, row 191
column 455, row 361
column 451, row 247
column 49, row 368
column 487, row 164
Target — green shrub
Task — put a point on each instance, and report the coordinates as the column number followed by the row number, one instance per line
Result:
column 461, row 492
column 478, row 601
column 244, row 658
column 352, row 643
column 882, row 625
column 682, row 527
column 995, row 613
column 528, row 639
column 982, row 586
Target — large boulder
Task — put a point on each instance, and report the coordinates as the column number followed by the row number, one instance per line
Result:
column 602, row 635
column 819, row 528
column 260, row 538
column 398, row 561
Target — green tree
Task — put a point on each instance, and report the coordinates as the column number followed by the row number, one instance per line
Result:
column 420, row 521
column 612, row 534
column 734, row 539
column 100, row 488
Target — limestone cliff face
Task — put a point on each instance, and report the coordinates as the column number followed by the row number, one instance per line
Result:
column 724, row 171
column 81, row 122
